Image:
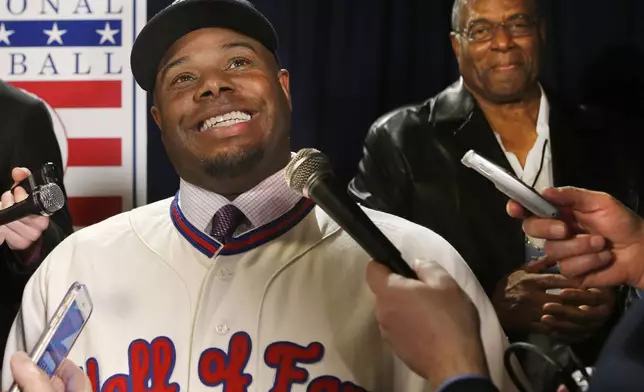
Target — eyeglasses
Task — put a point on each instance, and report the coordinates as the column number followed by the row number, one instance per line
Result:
column 518, row 26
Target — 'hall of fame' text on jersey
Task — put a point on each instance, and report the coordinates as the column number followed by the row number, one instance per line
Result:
column 152, row 364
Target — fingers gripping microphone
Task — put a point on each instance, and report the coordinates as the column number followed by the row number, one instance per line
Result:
column 44, row 200
column 309, row 173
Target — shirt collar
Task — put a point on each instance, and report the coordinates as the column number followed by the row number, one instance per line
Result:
column 543, row 118
column 262, row 204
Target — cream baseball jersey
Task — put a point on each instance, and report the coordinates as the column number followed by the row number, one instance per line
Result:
column 284, row 307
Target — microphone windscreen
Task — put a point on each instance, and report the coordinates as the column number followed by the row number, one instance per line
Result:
column 304, row 165
column 51, row 198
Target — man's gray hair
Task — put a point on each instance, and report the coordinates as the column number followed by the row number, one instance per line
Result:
column 456, row 15
column 458, row 5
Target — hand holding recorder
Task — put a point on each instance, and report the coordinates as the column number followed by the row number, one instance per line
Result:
column 599, row 243
column 572, row 314
column 510, row 185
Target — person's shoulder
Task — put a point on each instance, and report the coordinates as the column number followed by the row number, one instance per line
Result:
column 402, row 117
column 395, row 228
column 101, row 241
column 409, row 236
column 393, row 223
column 454, row 103
column 16, row 96
column 122, row 224
column 420, row 112
column 416, row 242
column 415, row 109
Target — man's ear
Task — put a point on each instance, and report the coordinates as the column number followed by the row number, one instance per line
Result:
column 156, row 115
column 455, row 39
column 285, row 81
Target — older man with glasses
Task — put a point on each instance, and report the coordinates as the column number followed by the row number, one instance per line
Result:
column 411, row 167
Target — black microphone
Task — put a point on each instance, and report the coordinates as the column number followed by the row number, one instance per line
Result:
column 309, row 173
column 43, row 200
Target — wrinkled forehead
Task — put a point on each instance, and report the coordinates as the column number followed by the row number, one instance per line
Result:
column 494, row 10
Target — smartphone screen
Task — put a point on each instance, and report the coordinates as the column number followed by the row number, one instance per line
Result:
column 61, row 332
column 62, row 340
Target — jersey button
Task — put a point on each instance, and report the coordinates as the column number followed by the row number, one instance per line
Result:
column 222, row 329
column 223, row 274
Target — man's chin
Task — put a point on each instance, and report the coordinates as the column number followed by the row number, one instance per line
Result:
column 509, row 94
column 231, row 165
column 508, row 90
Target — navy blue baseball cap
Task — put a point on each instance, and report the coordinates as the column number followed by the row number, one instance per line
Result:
column 185, row 16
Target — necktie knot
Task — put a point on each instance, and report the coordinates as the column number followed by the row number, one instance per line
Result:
column 226, row 220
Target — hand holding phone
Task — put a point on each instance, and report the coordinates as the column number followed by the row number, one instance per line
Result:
column 69, row 377
column 511, row 186
column 63, row 329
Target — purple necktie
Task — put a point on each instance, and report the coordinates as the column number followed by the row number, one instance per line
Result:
column 225, row 222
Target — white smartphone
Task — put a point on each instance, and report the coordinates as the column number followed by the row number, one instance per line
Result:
column 510, row 185
column 63, row 329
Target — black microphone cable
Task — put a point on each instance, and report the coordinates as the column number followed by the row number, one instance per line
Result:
column 563, row 373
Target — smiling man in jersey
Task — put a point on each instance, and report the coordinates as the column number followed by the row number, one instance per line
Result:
column 237, row 283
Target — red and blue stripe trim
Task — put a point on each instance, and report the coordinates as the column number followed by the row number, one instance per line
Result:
column 253, row 239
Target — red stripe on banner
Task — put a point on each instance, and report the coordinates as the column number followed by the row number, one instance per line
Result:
column 87, row 211
column 76, row 94
column 94, row 152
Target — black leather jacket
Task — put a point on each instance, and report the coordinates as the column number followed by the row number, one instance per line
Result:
column 411, row 168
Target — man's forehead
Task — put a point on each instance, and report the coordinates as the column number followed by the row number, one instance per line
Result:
column 216, row 36
column 494, row 9
column 221, row 39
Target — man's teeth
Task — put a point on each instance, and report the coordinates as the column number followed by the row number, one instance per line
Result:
column 225, row 120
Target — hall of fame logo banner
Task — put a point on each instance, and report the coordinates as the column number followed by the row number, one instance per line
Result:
column 74, row 55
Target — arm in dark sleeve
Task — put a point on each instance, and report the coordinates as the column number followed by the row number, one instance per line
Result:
column 621, row 363
column 382, row 182
column 589, row 350
column 467, row 383
column 35, row 145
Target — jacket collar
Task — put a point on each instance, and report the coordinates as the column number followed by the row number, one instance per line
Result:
column 456, row 116
column 454, row 103
column 455, row 111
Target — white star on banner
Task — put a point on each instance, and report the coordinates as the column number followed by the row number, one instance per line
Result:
column 5, row 34
column 55, row 34
column 107, row 34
